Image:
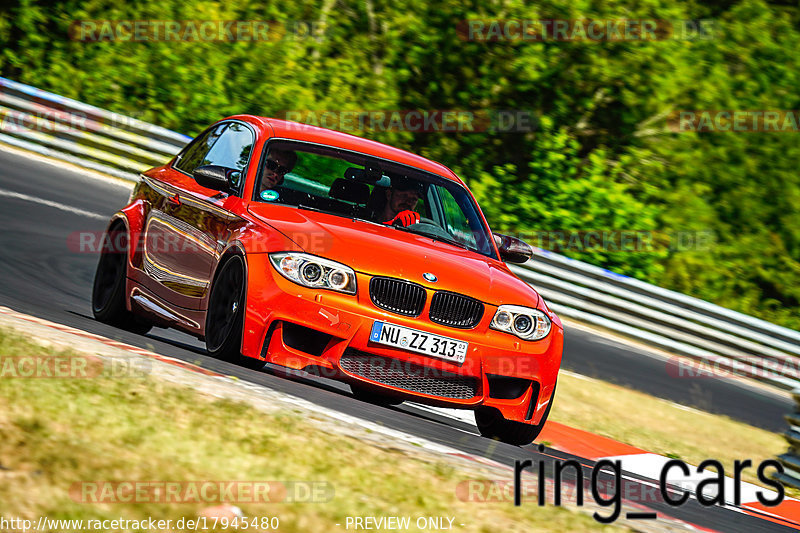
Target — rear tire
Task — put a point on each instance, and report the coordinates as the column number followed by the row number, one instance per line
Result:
column 225, row 315
column 493, row 425
column 108, row 290
column 368, row 395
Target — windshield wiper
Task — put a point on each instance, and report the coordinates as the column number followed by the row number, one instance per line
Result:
column 437, row 237
column 454, row 242
column 434, row 236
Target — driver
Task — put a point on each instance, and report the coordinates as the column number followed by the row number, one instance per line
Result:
column 278, row 164
column 401, row 200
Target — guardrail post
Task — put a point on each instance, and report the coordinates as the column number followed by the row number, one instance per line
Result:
column 791, row 459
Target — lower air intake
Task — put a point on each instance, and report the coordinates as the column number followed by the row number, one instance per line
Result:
column 409, row 376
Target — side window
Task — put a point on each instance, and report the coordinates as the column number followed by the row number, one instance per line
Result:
column 455, row 220
column 195, row 155
column 232, row 149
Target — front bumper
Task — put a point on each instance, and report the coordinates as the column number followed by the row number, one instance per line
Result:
column 328, row 332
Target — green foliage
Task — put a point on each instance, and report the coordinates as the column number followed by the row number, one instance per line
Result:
column 566, row 193
column 725, row 206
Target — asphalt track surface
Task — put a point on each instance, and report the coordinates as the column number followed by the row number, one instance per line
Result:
column 41, row 205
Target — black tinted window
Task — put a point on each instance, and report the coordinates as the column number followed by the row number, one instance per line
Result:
column 232, row 149
column 195, row 155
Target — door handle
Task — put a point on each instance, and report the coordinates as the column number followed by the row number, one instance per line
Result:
column 174, row 200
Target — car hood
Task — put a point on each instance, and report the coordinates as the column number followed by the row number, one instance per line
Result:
column 380, row 250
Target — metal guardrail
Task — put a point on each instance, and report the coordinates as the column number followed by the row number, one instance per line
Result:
column 721, row 340
column 791, row 459
column 82, row 134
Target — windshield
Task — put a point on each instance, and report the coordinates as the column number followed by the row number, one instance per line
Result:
column 353, row 185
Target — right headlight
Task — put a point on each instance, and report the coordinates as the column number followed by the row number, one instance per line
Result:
column 315, row 272
column 524, row 322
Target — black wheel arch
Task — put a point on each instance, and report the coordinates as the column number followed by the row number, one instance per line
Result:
column 234, row 248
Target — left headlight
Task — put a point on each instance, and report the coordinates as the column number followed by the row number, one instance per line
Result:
column 315, row 272
column 524, row 322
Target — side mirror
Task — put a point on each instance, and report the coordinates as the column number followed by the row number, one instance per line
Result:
column 218, row 178
column 512, row 250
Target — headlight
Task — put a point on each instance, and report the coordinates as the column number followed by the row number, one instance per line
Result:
column 315, row 272
column 524, row 322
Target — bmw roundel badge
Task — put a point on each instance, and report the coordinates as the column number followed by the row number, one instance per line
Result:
column 430, row 277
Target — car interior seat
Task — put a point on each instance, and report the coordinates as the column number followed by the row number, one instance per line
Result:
column 350, row 191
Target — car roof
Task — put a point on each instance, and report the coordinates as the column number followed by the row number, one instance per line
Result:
column 305, row 132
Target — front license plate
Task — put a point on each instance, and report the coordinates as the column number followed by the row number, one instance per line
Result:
column 418, row 341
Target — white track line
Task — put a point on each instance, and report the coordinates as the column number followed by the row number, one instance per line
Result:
column 56, row 205
column 82, row 173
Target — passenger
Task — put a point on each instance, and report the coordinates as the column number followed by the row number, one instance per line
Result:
column 401, row 201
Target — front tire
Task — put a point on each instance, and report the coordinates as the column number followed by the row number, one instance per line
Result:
column 225, row 315
column 108, row 290
column 493, row 425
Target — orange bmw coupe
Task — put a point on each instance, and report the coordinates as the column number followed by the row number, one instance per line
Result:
column 282, row 243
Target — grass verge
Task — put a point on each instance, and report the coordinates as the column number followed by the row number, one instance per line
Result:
column 56, row 432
